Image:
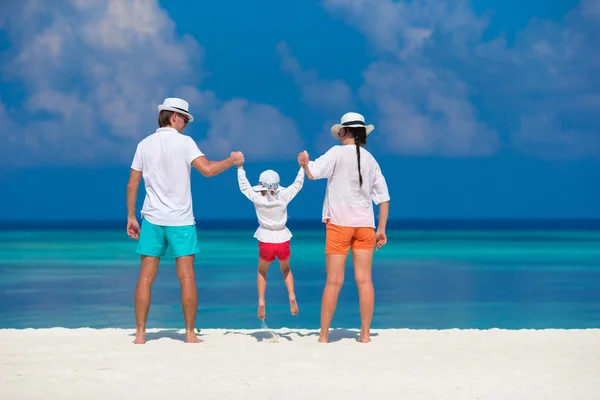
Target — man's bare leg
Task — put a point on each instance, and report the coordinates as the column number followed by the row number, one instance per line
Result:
column 261, row 284
column 189, row 295
column 336, row 264
column 288, row 278
column 363, row 268
column 143, row 291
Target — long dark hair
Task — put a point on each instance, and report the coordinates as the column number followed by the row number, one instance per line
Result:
column 359, row 134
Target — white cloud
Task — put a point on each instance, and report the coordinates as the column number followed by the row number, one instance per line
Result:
column 544, row 89
column 591, row 9
column 424, row 111
column 549, row 76
column 333, row 95
column 404, row 28
column 259, row 130
column 542, row 135
column 421, row 107
column 94, row 73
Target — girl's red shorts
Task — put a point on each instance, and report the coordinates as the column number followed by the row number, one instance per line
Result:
column 268, row 251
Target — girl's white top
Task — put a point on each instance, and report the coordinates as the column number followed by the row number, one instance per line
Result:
column 272, row 214
column 346, row 203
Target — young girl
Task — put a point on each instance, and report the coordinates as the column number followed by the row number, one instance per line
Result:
column 270, row 201
column 354, row 183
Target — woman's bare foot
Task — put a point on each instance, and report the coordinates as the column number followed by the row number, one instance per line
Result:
column 364, row 337
column 293, row 305
column 140, row 340
column 324, row 336
column 261, row 309
column 140, row 337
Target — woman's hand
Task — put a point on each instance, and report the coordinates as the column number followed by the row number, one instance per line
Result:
column 380, row 239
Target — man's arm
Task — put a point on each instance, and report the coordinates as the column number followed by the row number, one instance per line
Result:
column 132, row 190
column 133, row 227
column 213, row 168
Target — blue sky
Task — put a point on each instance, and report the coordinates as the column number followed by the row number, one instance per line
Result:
column 482, row 109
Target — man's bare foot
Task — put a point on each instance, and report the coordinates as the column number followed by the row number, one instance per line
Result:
column 192, row 338
column 293, row 305
column 261, row 309
column 323, row 339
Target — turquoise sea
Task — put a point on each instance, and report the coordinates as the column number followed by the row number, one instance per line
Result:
column 431, row 274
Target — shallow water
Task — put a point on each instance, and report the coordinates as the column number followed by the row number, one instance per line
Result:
column 463, row 278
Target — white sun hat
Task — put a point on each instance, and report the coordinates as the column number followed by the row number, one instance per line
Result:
column 177, row 105
column 350, row 120
column 266, row 178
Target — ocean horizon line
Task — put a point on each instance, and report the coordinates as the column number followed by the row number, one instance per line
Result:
column 311, row 224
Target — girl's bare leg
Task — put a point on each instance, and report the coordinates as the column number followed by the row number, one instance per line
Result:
column 288, row 278
column 261, row 284
column 336, row 264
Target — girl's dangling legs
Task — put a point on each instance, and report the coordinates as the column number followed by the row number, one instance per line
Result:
column 261, row 284
column 288, row 278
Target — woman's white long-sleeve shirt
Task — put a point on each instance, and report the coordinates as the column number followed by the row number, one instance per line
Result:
column 346, row 202
column 272, row 214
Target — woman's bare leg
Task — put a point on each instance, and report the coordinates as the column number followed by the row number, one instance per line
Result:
column 261, row 284
column 363, row 268
column 336, row 264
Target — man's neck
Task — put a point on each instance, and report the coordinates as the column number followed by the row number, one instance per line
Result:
column 170, row 127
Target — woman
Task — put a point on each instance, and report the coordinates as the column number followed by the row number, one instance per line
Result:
column 354, row 183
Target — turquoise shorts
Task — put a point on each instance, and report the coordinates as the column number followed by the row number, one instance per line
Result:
column 154, row 240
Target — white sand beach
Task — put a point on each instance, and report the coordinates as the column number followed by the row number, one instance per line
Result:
column 398, row 364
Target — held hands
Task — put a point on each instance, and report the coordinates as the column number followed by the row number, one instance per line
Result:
column 237, row 157
column 303, row 159
column 380, row 239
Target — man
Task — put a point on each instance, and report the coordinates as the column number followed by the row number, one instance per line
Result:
column 164, row 159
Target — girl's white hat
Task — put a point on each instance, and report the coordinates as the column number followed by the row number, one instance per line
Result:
column 266, row 178
column 177, row 105
column 350, row 120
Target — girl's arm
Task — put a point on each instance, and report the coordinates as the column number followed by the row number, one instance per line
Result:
column 245, row 186
column 292, row 190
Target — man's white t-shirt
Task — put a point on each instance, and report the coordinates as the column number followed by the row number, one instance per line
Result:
column 165, row 158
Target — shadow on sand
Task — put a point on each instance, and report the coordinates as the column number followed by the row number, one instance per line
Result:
column 174, row 334
column 335, row 335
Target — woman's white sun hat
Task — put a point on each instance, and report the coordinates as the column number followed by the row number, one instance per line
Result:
column 267, row 178
column 350, row 120
column 177, row 105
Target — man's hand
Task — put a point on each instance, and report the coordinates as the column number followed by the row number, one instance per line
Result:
column 303, row 159
column 380, row 239
column 237, row 157
column 133, row 228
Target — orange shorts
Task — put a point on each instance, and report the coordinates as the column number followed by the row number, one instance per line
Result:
column 338, row 239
